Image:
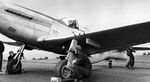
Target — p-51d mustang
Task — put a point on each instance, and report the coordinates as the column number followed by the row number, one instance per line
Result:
column 34, row 30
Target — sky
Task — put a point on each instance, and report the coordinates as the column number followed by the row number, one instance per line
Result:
column 92, row 14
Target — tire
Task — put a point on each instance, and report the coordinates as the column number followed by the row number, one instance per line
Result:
column 11, row 69
column 60, row 67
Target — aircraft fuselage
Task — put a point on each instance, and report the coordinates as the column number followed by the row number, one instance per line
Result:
column 28, row 26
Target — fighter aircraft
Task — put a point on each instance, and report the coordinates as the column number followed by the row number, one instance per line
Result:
column 34, row 30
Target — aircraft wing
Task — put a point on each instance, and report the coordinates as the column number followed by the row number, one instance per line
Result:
column 13, row 43
column 19, row 44
column 141, row 48
column 106, row 40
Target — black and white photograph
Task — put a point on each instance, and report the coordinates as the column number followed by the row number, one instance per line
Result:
column 74, row 40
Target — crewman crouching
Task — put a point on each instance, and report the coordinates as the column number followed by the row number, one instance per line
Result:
column 82, row 66
column 11, row 55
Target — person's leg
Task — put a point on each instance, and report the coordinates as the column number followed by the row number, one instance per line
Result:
column 1, row 60
column 132, row 63
column 0, row 66
column 128, row 64
column 80, row 72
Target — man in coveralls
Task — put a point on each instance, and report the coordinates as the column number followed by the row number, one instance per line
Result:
column 11, row 55
column 130, row 63
column 1, row 54
column 82, row 66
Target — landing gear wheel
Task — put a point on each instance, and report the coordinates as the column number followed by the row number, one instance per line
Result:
column 61, row 70
column 12, row 68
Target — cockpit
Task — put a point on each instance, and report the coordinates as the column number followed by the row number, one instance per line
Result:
column 73, row 24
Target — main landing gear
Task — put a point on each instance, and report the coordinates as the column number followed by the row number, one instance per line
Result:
column 14, row 66
column 63, row 69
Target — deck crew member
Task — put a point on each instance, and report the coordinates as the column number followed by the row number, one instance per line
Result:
column 1, row 54
column 82, row 66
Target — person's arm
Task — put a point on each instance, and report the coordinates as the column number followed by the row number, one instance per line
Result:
column 80, row 59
